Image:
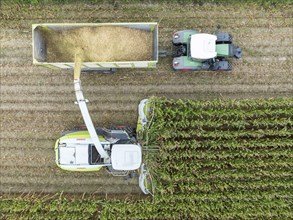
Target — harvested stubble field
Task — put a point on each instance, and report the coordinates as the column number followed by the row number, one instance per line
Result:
column 37, row 104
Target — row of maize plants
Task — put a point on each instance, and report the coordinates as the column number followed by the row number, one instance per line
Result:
column 217, row 159
column 48, row 207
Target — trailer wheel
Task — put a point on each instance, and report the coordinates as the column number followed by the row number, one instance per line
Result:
column 100, row 70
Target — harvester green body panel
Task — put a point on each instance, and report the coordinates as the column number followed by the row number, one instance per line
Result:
column 80, row 134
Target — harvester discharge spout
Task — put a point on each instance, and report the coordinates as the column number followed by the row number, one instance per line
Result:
column 81, row 101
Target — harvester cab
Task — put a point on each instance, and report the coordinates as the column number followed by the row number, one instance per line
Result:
column 92, row 149
column 200, row 51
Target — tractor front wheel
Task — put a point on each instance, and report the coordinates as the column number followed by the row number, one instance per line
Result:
column 224, row 38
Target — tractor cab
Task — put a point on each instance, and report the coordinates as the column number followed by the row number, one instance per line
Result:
column 203, row 46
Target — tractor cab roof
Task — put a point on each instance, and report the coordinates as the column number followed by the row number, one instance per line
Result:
column 203, row 46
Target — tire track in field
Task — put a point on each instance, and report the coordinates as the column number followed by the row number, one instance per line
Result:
column 129, row 97
column 71, row 11
column 141, row 89
column 43, row 187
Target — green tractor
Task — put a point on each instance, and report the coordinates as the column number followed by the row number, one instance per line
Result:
column 199, row 51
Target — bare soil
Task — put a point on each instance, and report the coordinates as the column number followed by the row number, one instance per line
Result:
column 37, row 103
